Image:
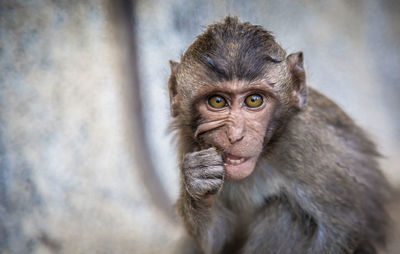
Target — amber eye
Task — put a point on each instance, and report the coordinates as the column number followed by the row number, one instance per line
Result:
column 217, row 101
column 254, row 101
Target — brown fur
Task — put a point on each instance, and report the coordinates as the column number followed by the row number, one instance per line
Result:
column 316, row 188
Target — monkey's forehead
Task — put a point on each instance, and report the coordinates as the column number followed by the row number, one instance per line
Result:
column 204, row 68
column 230, row 58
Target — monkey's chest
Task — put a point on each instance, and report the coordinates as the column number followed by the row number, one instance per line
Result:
column 276, row 226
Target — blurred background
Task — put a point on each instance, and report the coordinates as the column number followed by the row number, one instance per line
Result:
column 86, row 162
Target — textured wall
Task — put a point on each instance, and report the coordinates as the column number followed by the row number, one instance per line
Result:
column 70, row 178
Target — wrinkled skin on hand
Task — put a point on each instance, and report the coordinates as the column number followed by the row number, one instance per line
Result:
column 203, row 173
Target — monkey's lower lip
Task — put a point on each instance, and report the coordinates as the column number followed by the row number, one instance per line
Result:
column 234, row 160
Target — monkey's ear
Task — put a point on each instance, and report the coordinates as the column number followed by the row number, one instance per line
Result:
column 173, row 93
column 173, row 66
column 296, row 66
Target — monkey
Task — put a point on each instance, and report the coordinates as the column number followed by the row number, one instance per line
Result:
column 267, row 163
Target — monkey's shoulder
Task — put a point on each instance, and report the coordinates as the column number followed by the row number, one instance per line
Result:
column 324, row 140
column 321, row 107
column 324, row 116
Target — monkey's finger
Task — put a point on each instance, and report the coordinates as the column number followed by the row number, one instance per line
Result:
column 207, row 172
column 199, row 159
column 207, row 151
column 214, row 185
column 200, row 187
column 210, row 150
column 209, row 186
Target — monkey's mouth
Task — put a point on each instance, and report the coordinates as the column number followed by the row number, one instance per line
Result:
column 230, row 159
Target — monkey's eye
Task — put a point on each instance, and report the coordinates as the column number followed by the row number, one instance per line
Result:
column 253, row 101
column 217, row 101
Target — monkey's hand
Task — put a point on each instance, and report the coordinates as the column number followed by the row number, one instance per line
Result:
column 203, row 173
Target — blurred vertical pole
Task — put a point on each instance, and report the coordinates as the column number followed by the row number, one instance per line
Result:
column 124, row 14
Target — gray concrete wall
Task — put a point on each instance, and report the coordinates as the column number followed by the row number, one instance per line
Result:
column 74, row 173
column 70, row 156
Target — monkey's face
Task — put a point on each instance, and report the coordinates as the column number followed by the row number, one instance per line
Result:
column 234, row 117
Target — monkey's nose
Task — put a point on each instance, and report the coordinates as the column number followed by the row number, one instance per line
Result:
column 235, row 132
column 234, row 139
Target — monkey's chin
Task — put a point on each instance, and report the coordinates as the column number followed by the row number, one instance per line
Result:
column 240, row 171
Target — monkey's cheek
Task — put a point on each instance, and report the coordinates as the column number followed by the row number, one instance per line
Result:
column 239, row 172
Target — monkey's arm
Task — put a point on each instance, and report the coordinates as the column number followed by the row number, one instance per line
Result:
column 202, row 177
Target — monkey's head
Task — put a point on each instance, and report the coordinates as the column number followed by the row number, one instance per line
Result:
column 233, row 89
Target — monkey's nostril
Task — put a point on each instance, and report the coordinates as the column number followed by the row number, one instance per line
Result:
column 235, row 139
column 235, row 133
